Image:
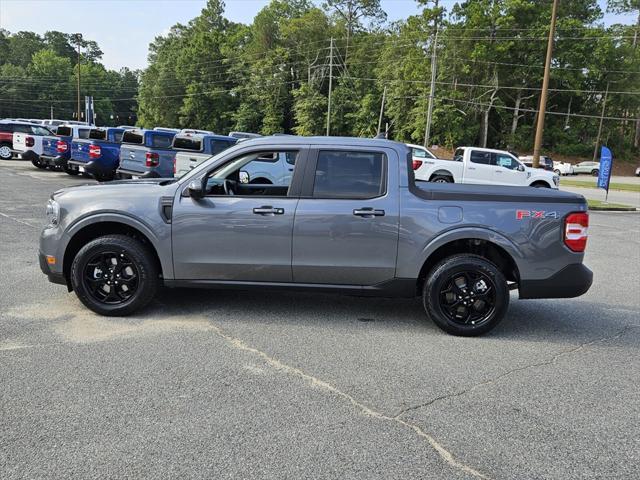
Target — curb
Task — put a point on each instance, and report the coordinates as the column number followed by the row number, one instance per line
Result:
column 614, row 209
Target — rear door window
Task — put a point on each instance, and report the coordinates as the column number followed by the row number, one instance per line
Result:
column 483, row 158
column 349, row 174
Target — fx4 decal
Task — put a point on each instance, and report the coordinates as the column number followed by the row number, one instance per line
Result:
column 522, row 214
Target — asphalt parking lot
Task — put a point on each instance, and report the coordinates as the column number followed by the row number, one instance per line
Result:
column 222, row 384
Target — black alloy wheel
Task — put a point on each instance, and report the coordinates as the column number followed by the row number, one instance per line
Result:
column 466, row 295
column 115, row 275
column 111, row 277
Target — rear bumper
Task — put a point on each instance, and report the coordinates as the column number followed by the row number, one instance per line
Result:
column 57, row 161
column 572, row 281
column 131, row 173
column 92, row 168
column 26, row 155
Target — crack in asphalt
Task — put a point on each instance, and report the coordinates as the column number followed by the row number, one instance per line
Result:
column 551, row 361
column 444, row 454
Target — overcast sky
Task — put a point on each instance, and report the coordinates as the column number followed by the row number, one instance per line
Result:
column 124, row 28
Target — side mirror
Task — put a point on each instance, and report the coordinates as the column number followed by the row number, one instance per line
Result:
column 521, row 168
column 244, row 176
column 196, row 189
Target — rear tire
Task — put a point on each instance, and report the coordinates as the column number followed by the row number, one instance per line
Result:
column 595, row 172
column 441, row 179
column 115, row 275
column 466, row 295
column 38, row 164
column 5, row 151
column 70, row 171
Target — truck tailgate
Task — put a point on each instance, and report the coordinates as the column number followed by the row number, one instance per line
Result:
column 80, row 150
column 50, row 146
column 133, row 157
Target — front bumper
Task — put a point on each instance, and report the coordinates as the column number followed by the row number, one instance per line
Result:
column 572, row 281
column 54, row 277
column 131, row 173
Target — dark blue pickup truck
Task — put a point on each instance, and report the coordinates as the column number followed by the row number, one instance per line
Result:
column 146, row 154
column 99, row 154
column 56, row 149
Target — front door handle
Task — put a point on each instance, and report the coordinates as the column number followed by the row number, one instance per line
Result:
column 498, row 171
column 268, row 210
column 368, row 212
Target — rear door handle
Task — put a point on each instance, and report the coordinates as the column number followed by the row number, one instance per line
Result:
column 268, row 210
column 368, row 212
column 498, row 171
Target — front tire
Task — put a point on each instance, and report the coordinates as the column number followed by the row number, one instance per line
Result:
column 595, row 172
column 466, row 295
column 115, row 275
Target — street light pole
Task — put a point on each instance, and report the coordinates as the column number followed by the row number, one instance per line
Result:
column 545, row 88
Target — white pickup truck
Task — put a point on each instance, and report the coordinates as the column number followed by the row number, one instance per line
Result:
column 28, row 146
column 484, row 166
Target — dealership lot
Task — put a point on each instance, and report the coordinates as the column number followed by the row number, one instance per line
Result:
column 285, row 385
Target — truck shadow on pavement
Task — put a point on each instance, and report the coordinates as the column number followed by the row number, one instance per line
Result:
column 551, row 321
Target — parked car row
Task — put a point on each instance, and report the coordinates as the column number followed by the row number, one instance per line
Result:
column 106, row 153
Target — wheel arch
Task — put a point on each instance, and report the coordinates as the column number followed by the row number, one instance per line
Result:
column 93, row 227
column 441, row 172
column 483, row 242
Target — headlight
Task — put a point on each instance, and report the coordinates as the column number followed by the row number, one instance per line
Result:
column 53, row 212
column 556, row 180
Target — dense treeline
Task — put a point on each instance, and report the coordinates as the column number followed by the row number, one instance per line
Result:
column 273, row 75
column 38, row 74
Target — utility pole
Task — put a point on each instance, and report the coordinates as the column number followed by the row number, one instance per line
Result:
column 51, row 112
column 78, row 40
column 330, row 86
column 545, row 88
column 384, row 96
column 604, row 105
column 432, row 90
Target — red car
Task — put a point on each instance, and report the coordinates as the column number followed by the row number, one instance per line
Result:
column 7, row 127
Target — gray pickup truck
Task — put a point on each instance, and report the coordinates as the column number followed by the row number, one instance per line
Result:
column 352, row 220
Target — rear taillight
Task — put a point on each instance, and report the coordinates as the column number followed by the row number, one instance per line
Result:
column 29, row 141
column 416, row 164
column 576, row 226
column 174, row 165
column 152, row 159
column 61, row 146
column 94, row 151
